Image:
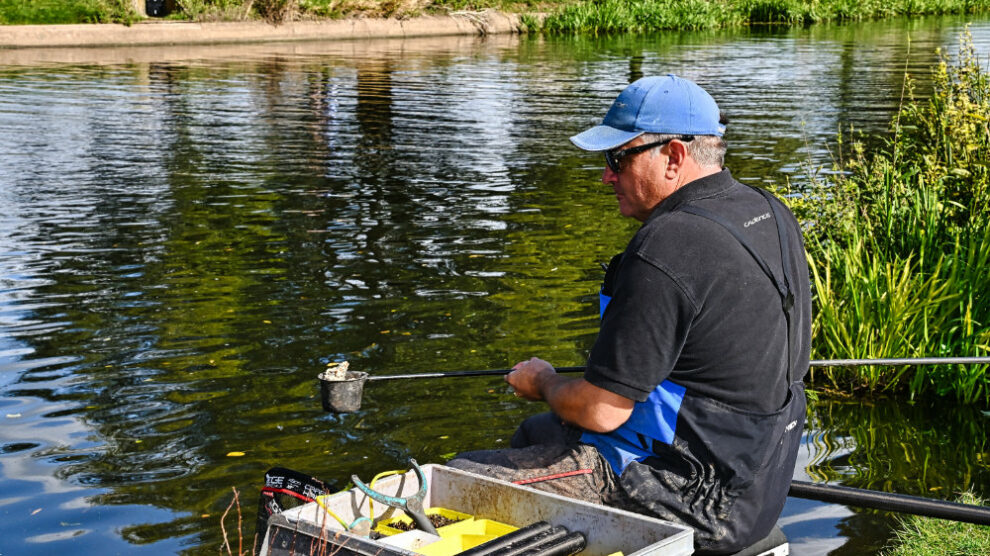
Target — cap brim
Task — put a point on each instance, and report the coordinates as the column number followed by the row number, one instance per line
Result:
column 603, row 138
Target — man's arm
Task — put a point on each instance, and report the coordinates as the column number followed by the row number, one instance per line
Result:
column 574, row 400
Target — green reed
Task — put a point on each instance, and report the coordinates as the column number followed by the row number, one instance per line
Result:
column 612, row 16
column 900, row 243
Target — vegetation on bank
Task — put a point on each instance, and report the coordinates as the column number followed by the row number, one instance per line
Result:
column 24, row 12
column 925, row 536
column 613, row 16
column 899, row 243
column 21, row 12
column 562, row 16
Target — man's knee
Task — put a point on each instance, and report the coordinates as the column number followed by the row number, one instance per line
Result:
column 509, row 464
column 473, row 462
column 576, row 471
column 544, row 428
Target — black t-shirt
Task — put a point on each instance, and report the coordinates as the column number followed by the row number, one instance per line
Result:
column 691, row 305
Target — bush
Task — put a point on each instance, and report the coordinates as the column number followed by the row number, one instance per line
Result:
column 214, row 10
column 276, row 11
column 26, row 12
column 900, row 243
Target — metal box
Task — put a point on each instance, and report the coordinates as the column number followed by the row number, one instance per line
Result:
column 308, row 529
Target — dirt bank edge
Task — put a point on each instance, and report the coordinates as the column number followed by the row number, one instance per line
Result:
column 150, row 33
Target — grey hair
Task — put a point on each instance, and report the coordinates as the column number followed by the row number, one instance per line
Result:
column 706, row 150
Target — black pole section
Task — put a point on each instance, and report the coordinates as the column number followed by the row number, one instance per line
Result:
column 547, row 538
column 902, row 503
column 455, row 374
column 565, row 546
column 896, row 362
column 499, row 545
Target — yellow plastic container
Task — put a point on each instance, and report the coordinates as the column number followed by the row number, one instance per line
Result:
column 385, row 526
column 464, row 535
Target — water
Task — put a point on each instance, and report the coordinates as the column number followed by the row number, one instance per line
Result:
column 191, row 234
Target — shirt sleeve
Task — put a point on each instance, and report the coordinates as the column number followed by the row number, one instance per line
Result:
column 642, row 332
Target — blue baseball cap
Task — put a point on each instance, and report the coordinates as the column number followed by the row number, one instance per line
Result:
column 667, row 104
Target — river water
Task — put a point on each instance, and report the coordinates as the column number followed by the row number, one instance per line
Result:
column 189, row 235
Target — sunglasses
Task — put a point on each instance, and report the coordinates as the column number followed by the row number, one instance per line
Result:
column 613, row 157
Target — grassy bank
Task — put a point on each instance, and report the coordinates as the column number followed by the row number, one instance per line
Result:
column 568, row 16
column 900, row 243
column 923, row 536
column 22, row 12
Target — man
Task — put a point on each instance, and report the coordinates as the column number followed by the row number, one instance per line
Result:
column 691, row 407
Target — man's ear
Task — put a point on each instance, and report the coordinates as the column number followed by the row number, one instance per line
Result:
column 676, row 157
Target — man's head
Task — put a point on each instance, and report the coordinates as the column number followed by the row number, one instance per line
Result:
column 660, row 134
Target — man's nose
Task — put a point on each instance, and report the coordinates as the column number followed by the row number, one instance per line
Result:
column 608, row 176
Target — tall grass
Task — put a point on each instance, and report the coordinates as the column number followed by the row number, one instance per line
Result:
column 616, row 16
column 900, row 243
column 610, row 16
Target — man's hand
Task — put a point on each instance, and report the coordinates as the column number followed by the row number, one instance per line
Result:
column 529, row 377
column 574, row 400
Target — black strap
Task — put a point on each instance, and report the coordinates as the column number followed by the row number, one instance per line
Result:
column 782, row 284
column 784, row 249
column 642, row 442
column 784, row 245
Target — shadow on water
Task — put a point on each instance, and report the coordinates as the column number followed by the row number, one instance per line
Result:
column 191, row 240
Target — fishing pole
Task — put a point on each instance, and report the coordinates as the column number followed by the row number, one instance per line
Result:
column 885, row 501
column 899, row 361
column 343, row 394
column 890, row 362
column 351, row 389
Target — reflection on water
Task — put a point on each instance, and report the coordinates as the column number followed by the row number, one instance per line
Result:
column 922, row 449
column 189, row 237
